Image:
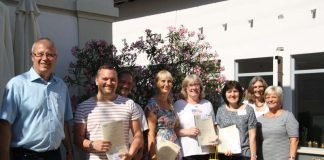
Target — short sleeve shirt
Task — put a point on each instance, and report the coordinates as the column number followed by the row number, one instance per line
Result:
column 244, row 119
column 94, row 114
column 277, row 131
column 36, row 110
column 186, row 113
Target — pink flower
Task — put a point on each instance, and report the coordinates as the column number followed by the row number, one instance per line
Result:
column 218, row 90
column 191, row 34
column 197, row 70
column 171, row 29
column 183, row 31
column 74, row 50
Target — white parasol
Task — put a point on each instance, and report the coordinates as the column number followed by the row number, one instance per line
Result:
column 26, row 32
column 6, row 53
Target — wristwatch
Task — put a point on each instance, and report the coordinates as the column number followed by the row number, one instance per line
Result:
column 254, row 156
column 91, row 145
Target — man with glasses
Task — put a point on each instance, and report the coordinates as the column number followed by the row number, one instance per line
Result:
column 35, row 110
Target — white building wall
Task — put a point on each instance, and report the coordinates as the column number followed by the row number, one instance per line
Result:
column 62, row 29
column 60, row 26
column 297, row 31
column 71, row 23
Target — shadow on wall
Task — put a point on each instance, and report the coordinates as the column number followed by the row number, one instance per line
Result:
column 141, row 8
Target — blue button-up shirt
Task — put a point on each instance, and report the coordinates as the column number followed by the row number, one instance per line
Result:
column 36, row 110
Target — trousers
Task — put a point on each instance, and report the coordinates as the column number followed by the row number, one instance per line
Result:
column 26, row 154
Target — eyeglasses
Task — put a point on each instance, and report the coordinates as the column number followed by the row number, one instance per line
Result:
column 194, row 85
column 48, row 55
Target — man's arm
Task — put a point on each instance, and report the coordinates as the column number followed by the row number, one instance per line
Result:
column 67, row 142
column 79, row 137
column 85, row 144
column 138, row 141
column 5, row 138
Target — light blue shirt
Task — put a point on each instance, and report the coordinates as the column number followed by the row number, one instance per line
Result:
column 36, row 110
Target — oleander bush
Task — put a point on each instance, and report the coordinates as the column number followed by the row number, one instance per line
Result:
column 181, row 52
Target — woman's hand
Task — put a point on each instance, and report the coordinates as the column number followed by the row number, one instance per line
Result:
column 228, row 153
column 125, row 156
column 193, row 131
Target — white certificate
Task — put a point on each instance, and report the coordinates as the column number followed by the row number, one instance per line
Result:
column 229, row 140
column 167, row 150
column 113, row 132
column 207, row 134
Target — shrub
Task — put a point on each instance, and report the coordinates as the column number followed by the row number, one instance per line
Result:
column 181, row 52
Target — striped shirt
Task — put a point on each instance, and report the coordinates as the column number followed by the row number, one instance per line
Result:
column 95, row 114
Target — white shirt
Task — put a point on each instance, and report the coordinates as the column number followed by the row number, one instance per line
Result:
column 259, row 113
column 143, row 120
column 186, row 112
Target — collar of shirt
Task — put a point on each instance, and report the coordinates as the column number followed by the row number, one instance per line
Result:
column 34, row 77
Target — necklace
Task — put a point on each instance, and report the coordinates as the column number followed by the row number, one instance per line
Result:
column 259, row 105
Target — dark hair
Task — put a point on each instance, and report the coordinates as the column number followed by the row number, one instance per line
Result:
column 105, row 66
column 125, row 72
column 230, row 85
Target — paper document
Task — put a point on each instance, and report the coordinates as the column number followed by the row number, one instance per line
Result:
column 229, row 140
column 113, row 132
column 167, row 150
column 207, row 134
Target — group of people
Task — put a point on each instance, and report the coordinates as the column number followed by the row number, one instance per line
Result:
column 267, row 131
column 36, row 109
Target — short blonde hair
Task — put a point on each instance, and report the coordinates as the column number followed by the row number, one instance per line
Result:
column 190, row 79
column 277, row 90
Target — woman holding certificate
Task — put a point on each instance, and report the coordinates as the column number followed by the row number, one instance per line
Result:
column 193, row 105
column 279, row 128
column 162, row 120
column 241, row 116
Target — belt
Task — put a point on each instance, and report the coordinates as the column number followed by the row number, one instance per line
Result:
column 22, row 152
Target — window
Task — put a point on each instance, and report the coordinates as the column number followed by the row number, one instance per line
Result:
column 309, row 93
column 246, row 69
